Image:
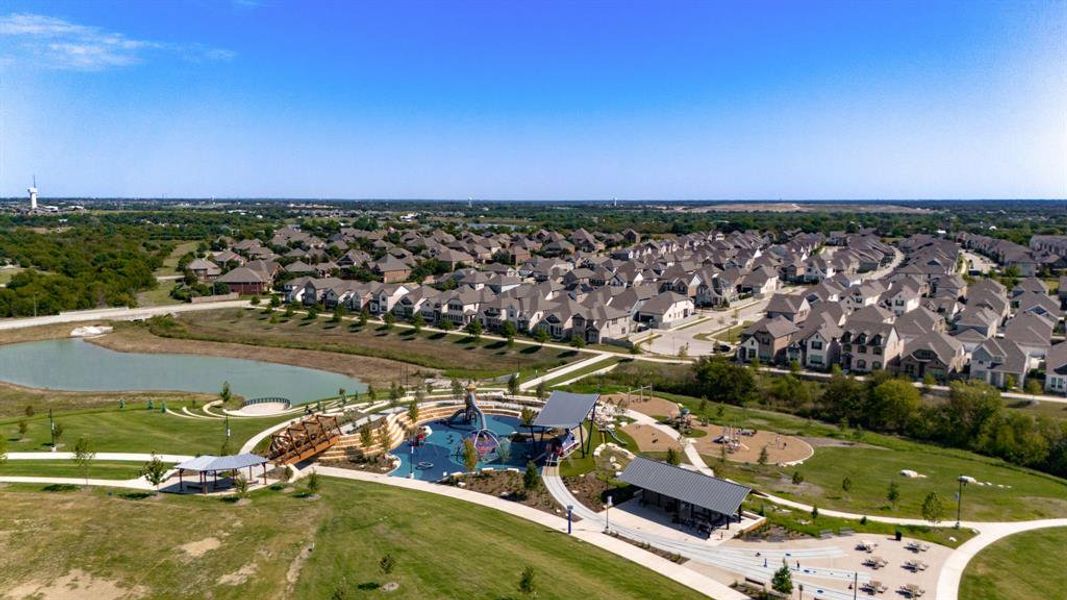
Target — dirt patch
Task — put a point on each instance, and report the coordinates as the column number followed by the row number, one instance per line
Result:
column 75, row 585
column 780, row 448
column 240, row 575
column 201, row 547
column 292, row 575
column 650, row 439
column 653, row 406
column 376, row 371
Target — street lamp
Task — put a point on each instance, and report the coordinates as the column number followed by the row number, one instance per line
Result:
column 959, row 500
column 607, row 516
column 570, row 517
column 52, row 429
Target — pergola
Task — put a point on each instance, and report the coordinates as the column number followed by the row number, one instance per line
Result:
column 566, row 410
column 205, row 465
column 666, row 485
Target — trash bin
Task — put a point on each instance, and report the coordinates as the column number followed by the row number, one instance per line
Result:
column 900, row 535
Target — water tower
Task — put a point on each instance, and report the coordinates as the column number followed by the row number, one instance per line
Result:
column 33, row 194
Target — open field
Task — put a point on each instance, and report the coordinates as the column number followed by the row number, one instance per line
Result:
column 170, row 264
column 871, row 468
column 66, row 468
column 192, row 547
column 14, row 399
column 134, row 429
column 457, row 355
column 160, row 296
column 1018, row 567
column 7, row 273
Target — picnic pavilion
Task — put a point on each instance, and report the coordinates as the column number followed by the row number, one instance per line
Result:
column 567, row 411
column 694, row 498
column 206, row 467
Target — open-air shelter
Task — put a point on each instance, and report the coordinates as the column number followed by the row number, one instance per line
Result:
column 210, row 466
column 694, row 497
column 567, row 411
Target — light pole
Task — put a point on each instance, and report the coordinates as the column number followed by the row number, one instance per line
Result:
column 959, row 500
column 52, row 429
column 607, row 516
column 570, row 513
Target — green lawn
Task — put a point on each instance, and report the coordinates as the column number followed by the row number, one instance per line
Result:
column 576, row 464
column 443, row 548
column 67, row 468
column 1027, row 495
column 134, row 430
column 160, row 296
column 1020, row 567
column 1032, row 494
column 577, row 373
column 170, row 264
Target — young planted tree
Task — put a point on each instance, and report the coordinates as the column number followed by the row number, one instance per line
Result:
column 154, row 471
column 509, row 332
column 413, row 412
column 526, row 418
column 313, row 483
column 513, row 384
column 798, row 478
column 390, row 320
column 541, row 336
column 446, row 325
column 528, row 582
column 364, row 316
column 577, row 342
column 933, row 508
column 541, row 390
column 225, row 394
column 782, row 582
column 531, row 479
column 457, row 389
column 387, row 564
column 673, row 457
column 240, row 485
column 470, row 455
column 474, row 329
column 846, row 484
column 383, row 435
column 366, row 436
column 762, row 460
column 23, row 427
column 83, row 456
column 418, row 322
column 893, row 494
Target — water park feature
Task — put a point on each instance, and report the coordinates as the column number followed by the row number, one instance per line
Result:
column 437, row 449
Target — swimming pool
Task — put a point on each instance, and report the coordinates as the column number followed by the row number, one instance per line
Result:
column 440, row 453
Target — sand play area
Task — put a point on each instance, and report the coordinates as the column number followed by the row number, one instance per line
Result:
column 745, row 447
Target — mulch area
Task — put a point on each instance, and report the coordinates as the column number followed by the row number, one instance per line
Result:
column 780, row 448
column 508, row 486
column 652, row 406
column 593, row 491
column 650, row 439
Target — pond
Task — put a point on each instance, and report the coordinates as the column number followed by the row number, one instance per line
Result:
column 77, row 365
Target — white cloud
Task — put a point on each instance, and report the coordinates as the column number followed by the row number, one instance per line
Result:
column 59, row 44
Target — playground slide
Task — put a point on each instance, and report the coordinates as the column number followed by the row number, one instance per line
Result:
column 618, row 441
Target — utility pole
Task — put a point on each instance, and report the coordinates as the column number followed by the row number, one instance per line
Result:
column 959, row 501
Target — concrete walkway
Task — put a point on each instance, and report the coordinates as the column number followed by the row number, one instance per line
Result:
column 671, row 570
column 568, row 368
column 948, row 583
column 117, row 314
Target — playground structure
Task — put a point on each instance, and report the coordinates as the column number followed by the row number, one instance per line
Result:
column 485, row 440
column 304, row 439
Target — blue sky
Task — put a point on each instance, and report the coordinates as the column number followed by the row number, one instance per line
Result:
column 534, row 100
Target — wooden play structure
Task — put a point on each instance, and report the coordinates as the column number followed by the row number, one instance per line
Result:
column 304, row 439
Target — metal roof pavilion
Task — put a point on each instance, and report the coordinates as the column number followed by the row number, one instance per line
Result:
column 566, row 410
column 695, row 488
column 207, row 464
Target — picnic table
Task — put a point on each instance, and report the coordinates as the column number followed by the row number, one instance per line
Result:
column 912, row 591
column 876, row 562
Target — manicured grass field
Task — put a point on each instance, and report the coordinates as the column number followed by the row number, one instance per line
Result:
column 1020, row 567
column 15, row 399
column 601, row 364
column 66, row 468
column 1026, row 495
column 458, row 355
column 877, row 460
column 134, row 429
column 443, row 548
